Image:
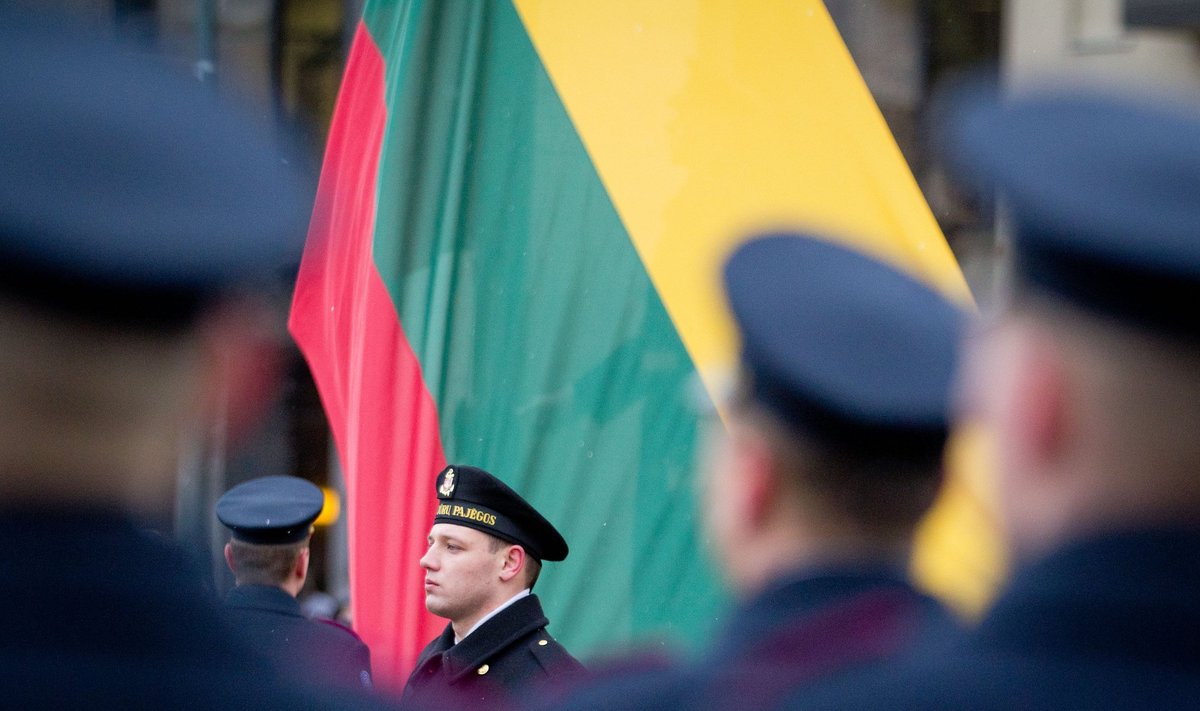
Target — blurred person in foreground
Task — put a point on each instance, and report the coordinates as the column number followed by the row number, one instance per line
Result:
column 271, row 523
column 486, row 548
column 1089, row 378
column 132, row 206
column 831, row 454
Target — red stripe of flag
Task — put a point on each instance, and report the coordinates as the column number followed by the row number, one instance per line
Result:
column 383, row 418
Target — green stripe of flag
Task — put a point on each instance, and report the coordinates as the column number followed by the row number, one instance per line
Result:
column 541, row 338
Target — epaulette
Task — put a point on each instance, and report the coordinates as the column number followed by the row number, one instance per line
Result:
column 549, row 653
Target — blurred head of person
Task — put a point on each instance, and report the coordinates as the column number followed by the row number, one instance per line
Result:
column 1088, row 374
column 139, row 220
column 831, row 449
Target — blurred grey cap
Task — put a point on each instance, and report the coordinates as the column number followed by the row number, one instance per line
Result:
column 128, row 190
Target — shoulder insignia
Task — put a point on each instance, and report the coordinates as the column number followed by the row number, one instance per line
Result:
column 552, row 656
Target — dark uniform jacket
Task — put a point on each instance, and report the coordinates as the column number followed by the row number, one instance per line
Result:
column 506, row 659
column 1108, row 623
column 95, row 613
column 321, row 652
column 805, row 631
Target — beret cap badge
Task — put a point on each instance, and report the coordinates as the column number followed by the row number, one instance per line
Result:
column 447, row 488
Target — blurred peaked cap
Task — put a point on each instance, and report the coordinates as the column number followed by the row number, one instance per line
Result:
column 843, row 347
column 1104, row 192
column 122, row 176
column 469, row 496
column 271, row 509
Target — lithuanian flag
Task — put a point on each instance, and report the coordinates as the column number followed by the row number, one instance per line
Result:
column 513, row 263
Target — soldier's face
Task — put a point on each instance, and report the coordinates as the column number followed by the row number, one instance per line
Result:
column 462, row 572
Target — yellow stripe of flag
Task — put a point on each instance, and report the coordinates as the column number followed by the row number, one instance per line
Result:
column 709, row 119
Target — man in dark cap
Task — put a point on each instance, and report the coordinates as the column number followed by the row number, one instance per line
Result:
column 271, row 523
column 832, row 452
column 486, row 549
column 1089, row 378
column 132, row 207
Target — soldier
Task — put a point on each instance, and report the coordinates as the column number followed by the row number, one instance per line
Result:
column 833, row 453
column 271, row 523
column 486, row 549
column 132, row 211
column 1089, row 378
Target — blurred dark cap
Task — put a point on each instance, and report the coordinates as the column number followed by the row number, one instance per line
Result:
column 128, row 191
column 842, row 347
column 1104, row 194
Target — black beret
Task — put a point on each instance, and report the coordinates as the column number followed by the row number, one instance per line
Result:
column 271, row 509
column 842, row 347
column 1104, row 193
column 128, row 190
column 469, row 496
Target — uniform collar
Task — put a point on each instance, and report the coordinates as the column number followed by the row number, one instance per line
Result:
column 506, row 627
column 804, row 592
column 263, row 597
column 1132, row 593
column 524, row 593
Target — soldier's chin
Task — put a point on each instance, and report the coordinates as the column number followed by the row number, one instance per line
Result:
column 436, row 606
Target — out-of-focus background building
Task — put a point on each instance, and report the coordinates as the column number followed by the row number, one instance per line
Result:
column 286, row 58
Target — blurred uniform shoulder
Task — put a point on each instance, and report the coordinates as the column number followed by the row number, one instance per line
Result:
column 339, row 626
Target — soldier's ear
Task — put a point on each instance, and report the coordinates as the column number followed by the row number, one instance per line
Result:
column 301, row 569
column 229, row 558
column 242, row 363
column 757, row 475
column 1034, row 409
column 513, row 563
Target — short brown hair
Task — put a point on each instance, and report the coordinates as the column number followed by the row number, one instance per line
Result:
column 259, row 564
column 533, row 566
